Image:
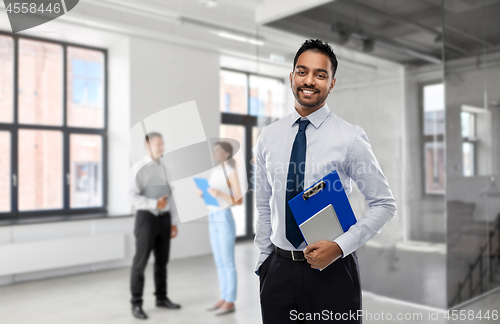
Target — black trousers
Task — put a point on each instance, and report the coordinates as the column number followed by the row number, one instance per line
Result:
column 293, row 292
column 152, row 233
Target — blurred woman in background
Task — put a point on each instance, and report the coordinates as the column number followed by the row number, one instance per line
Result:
column 222, row 226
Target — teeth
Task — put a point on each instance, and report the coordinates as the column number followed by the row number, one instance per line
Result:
column 307, row 91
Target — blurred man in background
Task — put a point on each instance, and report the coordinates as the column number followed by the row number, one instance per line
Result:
column 154, row 224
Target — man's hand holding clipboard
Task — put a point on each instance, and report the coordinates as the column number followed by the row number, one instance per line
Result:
column 323, row 253
column 323, row 213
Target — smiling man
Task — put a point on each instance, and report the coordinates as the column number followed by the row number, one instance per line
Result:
column 292, row 154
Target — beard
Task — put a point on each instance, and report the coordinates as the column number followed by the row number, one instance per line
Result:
column 309, row 103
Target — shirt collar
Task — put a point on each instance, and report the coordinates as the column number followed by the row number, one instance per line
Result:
column 316, row 118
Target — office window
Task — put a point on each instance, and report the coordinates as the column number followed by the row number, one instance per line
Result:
column 233, row 92
column 468, row 124
column 6, row 79
column 87, row 80
column 52, row 143
column 434, row 168
column 433, row 135
column 5, row 178
column 85, row 71
column 86, row 170
column 434, row 109
column 40, row 89
column 469, row 140
column 40, row 164
column 266, row 97
column 249, row 94
column 227, row 102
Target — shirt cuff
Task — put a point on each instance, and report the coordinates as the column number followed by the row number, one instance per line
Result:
column 260, row 259
column 347, row 243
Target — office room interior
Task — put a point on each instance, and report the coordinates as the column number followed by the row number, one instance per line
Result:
column 420, row 77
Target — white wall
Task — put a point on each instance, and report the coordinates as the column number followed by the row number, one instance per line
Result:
column 118, row 126
column 62, row 230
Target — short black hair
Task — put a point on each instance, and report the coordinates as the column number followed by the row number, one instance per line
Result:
column 320, row 46
column 151, row 135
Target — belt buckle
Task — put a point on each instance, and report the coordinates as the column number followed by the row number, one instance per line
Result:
column 293, row 257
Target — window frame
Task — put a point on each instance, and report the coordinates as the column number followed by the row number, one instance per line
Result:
column 66, row 130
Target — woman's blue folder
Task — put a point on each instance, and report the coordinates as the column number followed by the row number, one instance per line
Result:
column 328, row 190
column 203, row 185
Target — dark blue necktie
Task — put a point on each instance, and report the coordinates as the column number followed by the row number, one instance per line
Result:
column 295, row 181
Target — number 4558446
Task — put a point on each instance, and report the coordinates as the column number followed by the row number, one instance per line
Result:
column 471, row 315
column 31, row 7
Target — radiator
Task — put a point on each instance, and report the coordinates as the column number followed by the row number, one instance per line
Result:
column 52, row 254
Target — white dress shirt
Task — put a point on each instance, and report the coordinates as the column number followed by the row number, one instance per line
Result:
column 150, row 174
column 332, row 144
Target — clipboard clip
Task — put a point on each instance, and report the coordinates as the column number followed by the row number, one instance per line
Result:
column 314, row 190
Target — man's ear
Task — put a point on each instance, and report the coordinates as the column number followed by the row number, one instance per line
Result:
column 291, row 77
column 332, row 84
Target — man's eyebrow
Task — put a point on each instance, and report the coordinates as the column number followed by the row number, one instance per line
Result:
column 318, row 70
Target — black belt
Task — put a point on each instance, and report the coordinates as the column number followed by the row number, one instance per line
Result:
column 294, row 255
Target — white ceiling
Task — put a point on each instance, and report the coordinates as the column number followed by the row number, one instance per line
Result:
column 405, row 31
column 166, row 20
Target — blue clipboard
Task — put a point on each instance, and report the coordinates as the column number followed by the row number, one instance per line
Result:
column 203, row 185
column 328, row 190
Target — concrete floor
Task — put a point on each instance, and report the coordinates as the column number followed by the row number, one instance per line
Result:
column 103, row 297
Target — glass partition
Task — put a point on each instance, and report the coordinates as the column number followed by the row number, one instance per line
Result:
column 472, row 75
